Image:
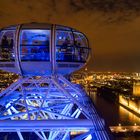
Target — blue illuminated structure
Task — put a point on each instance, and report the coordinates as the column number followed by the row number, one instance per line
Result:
column 42, row 104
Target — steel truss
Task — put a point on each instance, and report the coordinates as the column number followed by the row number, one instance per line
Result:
column 51, row 108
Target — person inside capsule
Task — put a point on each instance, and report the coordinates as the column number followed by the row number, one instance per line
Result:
column 6, row 48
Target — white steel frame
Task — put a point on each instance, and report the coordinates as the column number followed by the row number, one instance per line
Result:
column 52, row 108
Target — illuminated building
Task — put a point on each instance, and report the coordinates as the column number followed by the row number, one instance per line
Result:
column 42, row 101
column 136, row 89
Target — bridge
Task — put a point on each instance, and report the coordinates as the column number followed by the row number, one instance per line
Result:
column 124, row 129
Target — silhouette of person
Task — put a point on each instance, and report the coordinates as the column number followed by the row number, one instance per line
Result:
column 77, row 44
column 66, row 42
column 76, row 51
column 4, row 42
column 11, row 44
column 4, row 47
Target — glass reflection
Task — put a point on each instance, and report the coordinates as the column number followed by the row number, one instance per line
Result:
column 71, row 47
column 35, row 45
column 7, row 45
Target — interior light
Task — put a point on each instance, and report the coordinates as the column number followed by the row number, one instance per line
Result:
column 89, row 137
column 60, row 37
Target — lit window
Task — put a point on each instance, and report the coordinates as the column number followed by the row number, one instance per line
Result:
column 35, row 45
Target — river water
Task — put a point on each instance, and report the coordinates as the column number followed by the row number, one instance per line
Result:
column 114, row 114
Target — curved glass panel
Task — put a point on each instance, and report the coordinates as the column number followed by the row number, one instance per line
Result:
column 34, row 45
column 7, row 45
column 81, row 46
column 64, row 46
column 71, row 47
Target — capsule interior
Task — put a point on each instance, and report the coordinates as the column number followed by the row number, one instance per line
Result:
column 40, row 49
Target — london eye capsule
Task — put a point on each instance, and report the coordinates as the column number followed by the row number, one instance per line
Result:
column 37, row 49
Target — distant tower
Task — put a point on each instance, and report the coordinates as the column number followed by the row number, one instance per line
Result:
column 42, row 104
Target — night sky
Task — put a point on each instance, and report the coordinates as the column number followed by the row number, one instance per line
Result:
column 112, row 26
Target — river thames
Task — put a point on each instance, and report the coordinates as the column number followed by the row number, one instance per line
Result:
column 114, row 114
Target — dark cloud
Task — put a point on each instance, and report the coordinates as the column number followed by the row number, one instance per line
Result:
column 112, row 26
column 30, row 7
column 113, row 10
column 107, row 5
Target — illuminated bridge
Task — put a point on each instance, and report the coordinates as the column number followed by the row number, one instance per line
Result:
column 125, row 129
column 42, row 104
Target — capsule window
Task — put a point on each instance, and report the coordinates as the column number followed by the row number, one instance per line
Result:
column 7, row 45
column 71, row 46
column 81, row 46
column 64, row 45
column 34, row 45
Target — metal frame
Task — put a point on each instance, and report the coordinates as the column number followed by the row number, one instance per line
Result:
column 52, row 108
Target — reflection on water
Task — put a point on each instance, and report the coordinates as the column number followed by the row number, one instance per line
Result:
column 115, row 114
column 112, row 112
column 127, row 117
